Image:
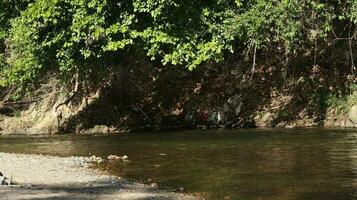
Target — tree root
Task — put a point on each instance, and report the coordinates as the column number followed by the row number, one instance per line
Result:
column 74, row 94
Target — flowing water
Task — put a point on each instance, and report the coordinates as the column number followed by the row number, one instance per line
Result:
column 242, row 164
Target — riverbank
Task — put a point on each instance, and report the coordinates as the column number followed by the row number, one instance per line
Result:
column 50, row 177
column 266, row 100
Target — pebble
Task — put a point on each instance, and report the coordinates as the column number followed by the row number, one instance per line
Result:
column 96, row 159
column 4, row 180
column 7, row 182
column 115, row 157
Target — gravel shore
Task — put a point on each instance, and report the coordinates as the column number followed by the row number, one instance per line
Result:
column 50, row 177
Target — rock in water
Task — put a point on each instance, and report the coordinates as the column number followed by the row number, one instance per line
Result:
column 7, row 182
column 113, row 157
column 125, row 157
column 353, row 114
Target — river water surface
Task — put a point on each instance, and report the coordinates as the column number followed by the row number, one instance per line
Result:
column 242, row 164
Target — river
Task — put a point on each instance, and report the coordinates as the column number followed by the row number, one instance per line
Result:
column 240, row 164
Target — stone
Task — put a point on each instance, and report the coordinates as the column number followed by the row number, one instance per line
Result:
column 264, row 120
column 96, row 159
column 125, row 157
column 290, row 126
column 113, row 157
column 7, row 182
column 98, row 129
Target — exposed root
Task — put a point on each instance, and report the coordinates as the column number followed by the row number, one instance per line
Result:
column 74, row 94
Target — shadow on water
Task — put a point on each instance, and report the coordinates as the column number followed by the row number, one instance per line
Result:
column 243, row 164
column 90, row 191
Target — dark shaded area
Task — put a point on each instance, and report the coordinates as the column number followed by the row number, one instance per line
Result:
column 141, row 95
column 95, row 190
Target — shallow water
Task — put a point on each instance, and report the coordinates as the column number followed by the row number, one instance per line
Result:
column 241, row 164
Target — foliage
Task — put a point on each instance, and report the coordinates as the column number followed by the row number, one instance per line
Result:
column 84, row 36
column 9, row 9
column 342, row 104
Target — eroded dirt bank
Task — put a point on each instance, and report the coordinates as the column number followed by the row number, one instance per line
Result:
column 146, row 97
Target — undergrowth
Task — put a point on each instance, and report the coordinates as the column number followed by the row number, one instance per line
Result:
column 342, row 104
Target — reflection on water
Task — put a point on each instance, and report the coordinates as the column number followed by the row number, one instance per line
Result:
column 243, row 164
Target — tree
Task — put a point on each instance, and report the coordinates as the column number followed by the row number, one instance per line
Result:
column 86, row 36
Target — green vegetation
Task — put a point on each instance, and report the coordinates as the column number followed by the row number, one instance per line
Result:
column 84, row 37
column 342, row 105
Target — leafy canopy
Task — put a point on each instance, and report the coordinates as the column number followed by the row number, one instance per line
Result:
column 84, row 36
